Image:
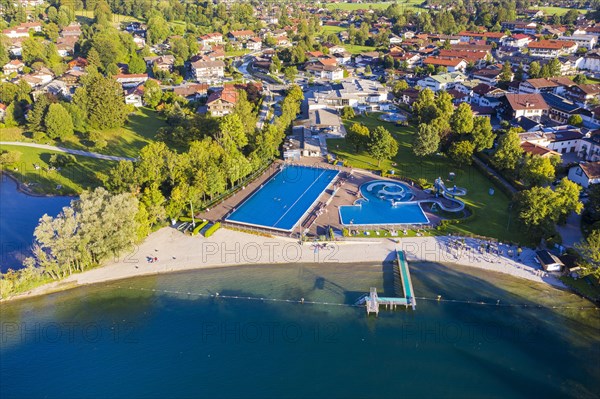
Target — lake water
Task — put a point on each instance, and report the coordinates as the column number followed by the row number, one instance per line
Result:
column 19, row 215
column 139, row 338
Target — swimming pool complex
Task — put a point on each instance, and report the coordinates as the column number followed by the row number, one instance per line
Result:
column 384, row 202
column 285, row 199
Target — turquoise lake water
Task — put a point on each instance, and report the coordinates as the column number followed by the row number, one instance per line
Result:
column 19, row 215
column 126, row 340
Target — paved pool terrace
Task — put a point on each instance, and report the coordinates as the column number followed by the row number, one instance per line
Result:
column 281, row 202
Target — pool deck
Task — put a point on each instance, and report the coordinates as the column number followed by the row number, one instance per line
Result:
column 317, row 223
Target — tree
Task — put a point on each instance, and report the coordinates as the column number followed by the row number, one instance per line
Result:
column 399, row 87
column 537, row 170
column 567, row 198
column 358, row 136
column 10, row 157
column 536, row 206
column 33, row 50
column 152, row 93
column 290, row 73
column 461, row 152
column 347, row 112
column 136, row 64
column 543, row 207
column 102, row 100
column 158, row 29
column 575, row 120
column 37, row 115
column 483, row 135
column 506, row 74
column 424, row 107
column 382, row 144
column 368, row 70
column 427, row 140
column 509, row 151
column 534, row 70
column 58, row 122
column 580, row 79
column 462, row 119
column 590, row 254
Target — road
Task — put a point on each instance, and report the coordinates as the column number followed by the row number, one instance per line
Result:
column 68, row 151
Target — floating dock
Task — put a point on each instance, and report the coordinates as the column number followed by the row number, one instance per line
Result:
column 374, row 301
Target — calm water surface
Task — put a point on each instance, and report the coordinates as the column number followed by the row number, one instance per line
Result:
column 136, row 340
column 19, row 215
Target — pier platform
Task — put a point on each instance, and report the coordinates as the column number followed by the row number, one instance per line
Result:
column 374, row 301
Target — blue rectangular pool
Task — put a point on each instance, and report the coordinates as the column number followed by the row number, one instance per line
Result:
column 285, row 199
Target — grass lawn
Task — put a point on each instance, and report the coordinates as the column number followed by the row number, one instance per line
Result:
column 327, row 30
column 587, row 286
column 87, row 16
column 125, row 141
column 376, row 6
column 491, row 218
column 557, row 10
column 73, row 178
column 356, row 49
column 237, row 53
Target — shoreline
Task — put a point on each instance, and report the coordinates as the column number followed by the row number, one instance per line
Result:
column 23, row 189
column 177, row 252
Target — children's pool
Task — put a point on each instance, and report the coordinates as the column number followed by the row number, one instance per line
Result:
column 384, row 202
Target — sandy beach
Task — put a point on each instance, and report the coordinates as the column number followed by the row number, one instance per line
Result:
column 169, row 250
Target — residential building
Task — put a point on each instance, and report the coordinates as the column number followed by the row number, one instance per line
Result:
column 211, row 38
column 132, row 79
column 222, row 102
column 551, row 48
column 135, row 95
column 585, row 174
column 531, row 106
column 14, row 66
column 240, row 35
column 585, row 41
column 451, row 64
column 208, row 71
column 442, row 81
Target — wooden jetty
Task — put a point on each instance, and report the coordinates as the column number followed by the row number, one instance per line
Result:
column 373, row 301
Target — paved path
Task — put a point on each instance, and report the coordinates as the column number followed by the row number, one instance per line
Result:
column 571, row 231
column 68, row 151
column 493, row 172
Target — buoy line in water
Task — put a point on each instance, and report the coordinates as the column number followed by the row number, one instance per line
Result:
column 498, row 303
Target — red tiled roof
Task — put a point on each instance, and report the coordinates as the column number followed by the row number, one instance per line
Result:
column 552, row 44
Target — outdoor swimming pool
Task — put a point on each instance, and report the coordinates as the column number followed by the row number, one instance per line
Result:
column 384, row 202
column 284, row 200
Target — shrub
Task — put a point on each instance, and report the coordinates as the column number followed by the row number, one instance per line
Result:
column 199, row 227
column 62, row 160
column 212, row 229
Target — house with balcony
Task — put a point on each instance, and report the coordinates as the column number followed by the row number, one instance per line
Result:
column 208, row 71
column 551, row 48
column 531, row 106
column 222, row 102
column 442, row 81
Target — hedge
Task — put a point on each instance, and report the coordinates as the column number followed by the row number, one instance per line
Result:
column 199, row 227
column 211, row 230
column 185, row 219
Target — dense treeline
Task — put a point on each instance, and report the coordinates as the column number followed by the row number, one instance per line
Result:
column 142, row 196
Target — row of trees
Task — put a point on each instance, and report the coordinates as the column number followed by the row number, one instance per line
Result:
column 167, row 183
column 96, row 227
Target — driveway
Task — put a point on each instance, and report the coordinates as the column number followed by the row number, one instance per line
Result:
column 571, row 231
